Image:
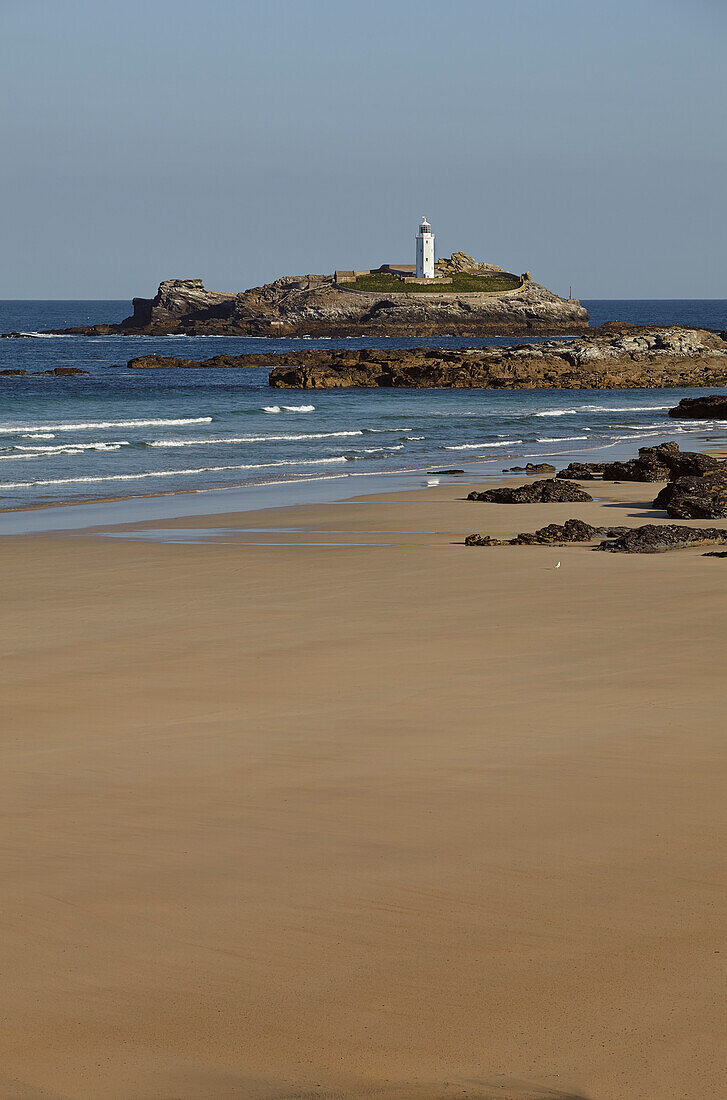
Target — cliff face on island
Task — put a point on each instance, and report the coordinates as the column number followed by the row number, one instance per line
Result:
column 317, row 305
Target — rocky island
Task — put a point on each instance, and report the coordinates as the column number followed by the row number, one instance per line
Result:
column 466, row 298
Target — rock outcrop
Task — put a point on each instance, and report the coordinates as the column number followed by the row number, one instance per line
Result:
column 55, row 372
column 555, row 534
column 626, row 359
column 549, row 491
column 711, row 407
column 530, row 468
column 662, row 463
column 172, row 362
column 315, row 305
column 656, row 538
column 695, row 497
column 658, row 357
column 581, row 471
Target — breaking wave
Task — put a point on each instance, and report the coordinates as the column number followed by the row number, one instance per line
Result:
column 559, row 438
column 288, row 408
column 602, row 408
column 23, row 429
column 71, row 448
column 251, row 439
column 166, row 473
column 477, row 446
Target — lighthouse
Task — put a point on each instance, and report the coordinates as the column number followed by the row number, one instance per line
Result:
column 425, row 251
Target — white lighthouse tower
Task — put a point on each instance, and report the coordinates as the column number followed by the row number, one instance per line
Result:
column 425, row 251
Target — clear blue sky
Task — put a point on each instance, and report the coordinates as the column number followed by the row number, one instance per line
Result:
column 583, row 140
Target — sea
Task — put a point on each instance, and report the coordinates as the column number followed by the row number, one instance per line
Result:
column 119, row 433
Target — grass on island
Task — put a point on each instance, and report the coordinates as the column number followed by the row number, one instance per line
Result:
column 462, row 283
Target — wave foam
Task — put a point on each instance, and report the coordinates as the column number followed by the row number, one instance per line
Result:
column 250, row 439
column 477, row 446
column 288, row 408
column 559, row 438
column 72, row 448
column 23, row 429
column 602, row 408
column 164, row 473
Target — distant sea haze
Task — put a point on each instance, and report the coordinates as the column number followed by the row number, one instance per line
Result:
column 124, row 433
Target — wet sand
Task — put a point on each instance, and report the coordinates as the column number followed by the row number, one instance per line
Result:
column 399, row 820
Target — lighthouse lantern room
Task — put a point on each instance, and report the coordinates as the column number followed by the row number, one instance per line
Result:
column 425, row 251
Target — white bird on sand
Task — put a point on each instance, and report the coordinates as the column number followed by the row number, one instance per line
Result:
column 432, row 481
column 558, row 566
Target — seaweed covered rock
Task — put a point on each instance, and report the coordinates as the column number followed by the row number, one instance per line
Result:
column 709, row 407
column 581, row 471
column 695, row 497
column 548, row 491
column 656, row 538
column 483, row 540
column 662, row 463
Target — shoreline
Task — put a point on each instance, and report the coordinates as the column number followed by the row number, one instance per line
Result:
column 282, row 494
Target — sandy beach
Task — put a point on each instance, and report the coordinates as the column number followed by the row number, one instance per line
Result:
column 363, row 812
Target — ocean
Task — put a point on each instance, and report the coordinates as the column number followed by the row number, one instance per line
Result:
column 121, row 433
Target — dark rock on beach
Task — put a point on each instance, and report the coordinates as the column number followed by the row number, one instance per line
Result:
column 581, row 471
column 530, row 468
column 573, row 530
column 657, row 538
column 711, row 407
column 660, row 463
column 555, row 534
column 549, row 491
column 695, row 497
column 442, row 472
column 484, row 540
